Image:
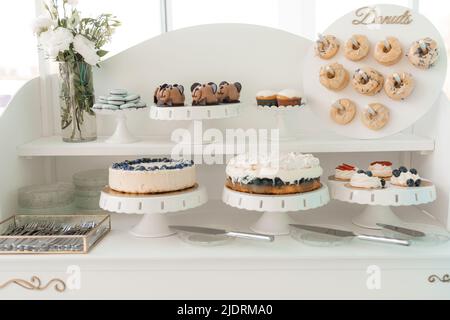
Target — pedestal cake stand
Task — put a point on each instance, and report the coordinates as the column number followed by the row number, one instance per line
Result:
column 121, row 134
column 154, row 207
column 380, row 201
column 193, row 113
column 275, row 219
column 281, row 113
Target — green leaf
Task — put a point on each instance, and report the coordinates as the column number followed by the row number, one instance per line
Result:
column 102, row 53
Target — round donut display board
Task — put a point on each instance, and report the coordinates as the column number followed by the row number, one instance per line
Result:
column 377, row 23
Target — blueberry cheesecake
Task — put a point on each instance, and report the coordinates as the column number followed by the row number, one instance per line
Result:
column 403, row 177
column 366, row 180
column 287, row 173
column 156, row 175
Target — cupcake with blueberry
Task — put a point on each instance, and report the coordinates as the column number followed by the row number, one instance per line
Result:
column 344, row 172
column 381, row 169
column 402, row 177
column 366, row 180
column 267, row 98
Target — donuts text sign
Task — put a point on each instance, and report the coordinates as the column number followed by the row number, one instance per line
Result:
column 369, row 15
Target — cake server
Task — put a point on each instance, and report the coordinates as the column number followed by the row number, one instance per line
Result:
column 220, row 232
column 345, row 233
column 409, row 232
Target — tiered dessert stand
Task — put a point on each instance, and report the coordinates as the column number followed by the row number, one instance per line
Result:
column 275, row 219
column 193, row 114
column 380, row 201
column 153, row 207
column 122, row 134
column 281, row 114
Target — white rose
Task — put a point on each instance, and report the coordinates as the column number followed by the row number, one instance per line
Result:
column 41, row 24
column 86, row 48
column 73, row 3
column 56, row 41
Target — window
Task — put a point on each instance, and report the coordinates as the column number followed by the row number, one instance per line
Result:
column 140, row 20
column 18, row 54
column 194, row 12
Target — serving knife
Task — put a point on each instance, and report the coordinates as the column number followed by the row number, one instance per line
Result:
column 345, row 233
column 220, row 232
column 409, row 232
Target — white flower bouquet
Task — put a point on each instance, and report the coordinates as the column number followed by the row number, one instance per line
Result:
column 76, row 43
column 65, row 36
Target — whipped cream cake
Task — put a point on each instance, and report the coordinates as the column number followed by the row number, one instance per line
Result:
column 152, row 175
column 287, row 173
column 403, row 177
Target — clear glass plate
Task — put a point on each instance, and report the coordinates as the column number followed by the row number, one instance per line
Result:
column 434, row 235
column 316, row 239
column 204, row 240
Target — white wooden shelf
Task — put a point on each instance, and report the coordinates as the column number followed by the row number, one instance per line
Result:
column 53, row 146
column 159, row 267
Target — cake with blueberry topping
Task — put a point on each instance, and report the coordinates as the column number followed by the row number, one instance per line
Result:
column 287, row 173
column 403, row 177
column 366, row 180
column 152, row 175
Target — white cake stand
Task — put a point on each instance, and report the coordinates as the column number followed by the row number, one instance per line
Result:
column 192, row 114
column 121, row 134
column 380, row 201
column 281, row 114
column 154, row 207
column 275, row 220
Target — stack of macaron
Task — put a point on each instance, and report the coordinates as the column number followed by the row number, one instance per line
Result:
column 119, row 99
column 284, row 98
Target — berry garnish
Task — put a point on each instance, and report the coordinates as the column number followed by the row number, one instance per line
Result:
column 383, row 183
column 396, row 173
column 369, row 173
column 413, row 171
column 361, row 171
column 403, row 169
column 410, row 183
column 418, row 183
column 383, row 163
column 346, row 167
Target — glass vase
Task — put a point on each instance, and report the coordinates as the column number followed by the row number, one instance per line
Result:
column 78, row 123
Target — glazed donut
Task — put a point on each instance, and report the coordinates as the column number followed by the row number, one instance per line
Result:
column 423, row 53
column 334, row 76
column 367, row 81
column 399, row 86
column 327, row 46
column 343, row 111
column 357, row 47
column 388, row 52
column 375, row 117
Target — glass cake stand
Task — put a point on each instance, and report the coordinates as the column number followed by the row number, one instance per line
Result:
column 275, row 219
column 193, row 114
column 153, row 207
column 122, row 134
column 380, row 201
